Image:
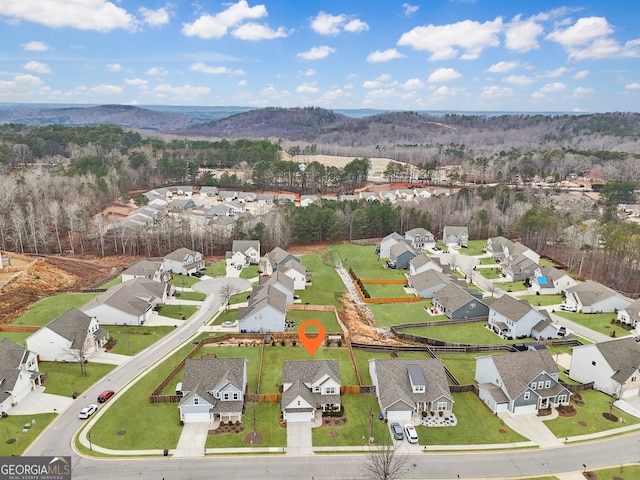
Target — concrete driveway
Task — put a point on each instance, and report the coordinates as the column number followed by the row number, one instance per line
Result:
column 532, row 427
column 110, row 358
column 193, row 439
column 299, row 438
column 39, row 402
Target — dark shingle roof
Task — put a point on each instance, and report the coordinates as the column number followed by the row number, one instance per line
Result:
column 72, row 325
column 203, row 375
column 302, row 373
column 623, row 355
column 519, row 369
column 510, row 307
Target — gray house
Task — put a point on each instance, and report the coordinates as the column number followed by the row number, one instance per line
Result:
column 630, row 314
column 405, row 388
column 457, row 302
column 280, row 281
column 519, row 267
column 266, row 311
column 146, row 269
column 520, row 382
column 400, row 255
column 455, row 236
column 19, row 373
column 549, row 280
column 421, row 263
column 213, row 389
column 427, row 284
column 419, row 238
column 274, row 258
column 498, row 247
column 183, row 261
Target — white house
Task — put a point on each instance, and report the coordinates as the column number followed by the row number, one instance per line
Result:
column 427, row 284
column 512, row 318
column 455, row 236
column 592, row 297
column 613, row 366
column 145, row 269
column 67, row 338
column 421, row 263
column 19, row 374
column 297, row 272
column 383, row 249
column 549, row 280
column 244, row 252
column 266, row 311
column 213, row 389
column 274, row 258
column 280, row 281
column 419, row 238
column 183, row 261
column 309, row 386
column 630, row 314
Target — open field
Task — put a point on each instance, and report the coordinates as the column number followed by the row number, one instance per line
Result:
column 65, row 378
column 50, row 308
column 327, row 287
column 131, row 339
column 466, row 333
column 364, row 261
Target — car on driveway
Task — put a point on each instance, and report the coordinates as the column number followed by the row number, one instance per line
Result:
column 398, row 434
column 87, row 411
column 104, row 396
column 412, row 435
column 228, row 324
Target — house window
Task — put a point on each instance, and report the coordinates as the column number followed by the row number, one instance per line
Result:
column 527, row 395
column 547, row 384
column 196, row 400
column 472, row 305
column 540, row 385
column 236, row 396
column 225, row 396
column 533, row 386
column 330, row 391
column 633, row 379
column 562, row 398
column 441, row 406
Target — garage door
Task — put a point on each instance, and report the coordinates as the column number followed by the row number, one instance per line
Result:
column 296, row 417
column 197, row 417
column 502, row 407
column 630, row 393
column 399, row 416
column 524, row 409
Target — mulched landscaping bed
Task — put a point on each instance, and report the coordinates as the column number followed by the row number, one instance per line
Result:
column 334, row 421
column 253, row 438
column 222, row 429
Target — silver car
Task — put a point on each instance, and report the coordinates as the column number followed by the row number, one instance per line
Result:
column 398, row 434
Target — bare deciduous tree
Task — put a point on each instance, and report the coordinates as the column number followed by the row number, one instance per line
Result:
column 225, row 292
column 383, row 464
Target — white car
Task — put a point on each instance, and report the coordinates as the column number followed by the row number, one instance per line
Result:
column 568, row 308
column 412, row 435
column 87, row 411
column 228, row 324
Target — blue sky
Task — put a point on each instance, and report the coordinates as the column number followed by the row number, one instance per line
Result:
column 468, row 55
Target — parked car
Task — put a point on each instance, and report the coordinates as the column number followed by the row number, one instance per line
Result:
column 104, row 396
column 412, row 435
column 87, row 411
column 437, row 249
column 228, row 324
column 568, row 308
column 197, row 274
column 398, row 434
column 562, row 331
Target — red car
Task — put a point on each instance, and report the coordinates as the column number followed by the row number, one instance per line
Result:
column 104, row 396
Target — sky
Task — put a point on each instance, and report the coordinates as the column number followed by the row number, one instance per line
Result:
column 452, row 55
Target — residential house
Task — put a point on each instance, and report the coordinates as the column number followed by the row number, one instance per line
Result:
column 405, row 388
column 222, row 226
column 630, row 314
column 347, row 197
column 512, row 318
column 280, row 281
column 286, row 197
column 245, row 252
column 400, row 254
column 455, row 236
column 421, row 263
column 613, row 366
column 306, row 200
column 146, row 269
column 247, row 197
column 207, row 191
column 383, row 249
column 592, row 297
column 68, row 338
column 235, row 207
column 549, row 280
column 184, row 190
column 388, row 195
column 297, row 272
column 419, row 238
column 221, row 210
column 421, row 193
column 213, row 389
column 457, row 302
column 265, row 199
column 274, row 258
column 427, row 284
column 519, row 267
column 265, row 312
column 498, row 247
column 128, row 303
column 227, row 196
column 520, row 382
column 404, row 194
column 183, row 261
column 181, row 205
column 368, row 196
column 309, row 386
column 19, row 374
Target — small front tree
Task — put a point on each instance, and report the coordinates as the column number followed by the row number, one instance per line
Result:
column 382, row 463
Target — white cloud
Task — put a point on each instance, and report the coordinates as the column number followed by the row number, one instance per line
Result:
column 522, row 35
column 558, row 72
column 182, row 93
column 444, row 92
column 137, row 82
column 519, row 79
column 632, row 86
column 356, row 25
column 495, row 91
column 584, row 31
column 114, row 67
column 309, row 72
column 375, row 96
column 443, row 75
column 552, row 88
column 37, row 67
column 413, row 84
column 606, row 48
column 105, row 89
column 580, row 92
column 443, row 41
column 316, row 53
column 99, row 15
column 216, row 26
column 331, row 96
column 502, row 67
column 327, row 24
column 410, row 9
column 384, row 56
column 155, row 18
column 257, row 31
column 581, row 74
column 242, row 83
column 204, row 68
column 271, row 92
column 384, row 79
column 35, row 46
column 157, row 71
column 307, row 88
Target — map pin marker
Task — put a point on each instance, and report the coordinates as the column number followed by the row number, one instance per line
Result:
column 311, row 344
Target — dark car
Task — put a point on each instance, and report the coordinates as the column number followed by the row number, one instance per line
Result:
column 398, row 434
column 104, row 396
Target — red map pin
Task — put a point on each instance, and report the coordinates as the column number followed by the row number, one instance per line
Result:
column 311, row 344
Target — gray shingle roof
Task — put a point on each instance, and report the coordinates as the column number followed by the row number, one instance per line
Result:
column 510, row 307
column 302, row 373
column 203, row 375
column 12, row 356
column 623, row 355
column 132, row 296
column 428, row 279
column 519, row 369
column 591, row 292
column 142, row 268
column 72, row 325
column 452, row 297
column 277, row 277
column 180, row 254
column 278, row 254
column 244, row 245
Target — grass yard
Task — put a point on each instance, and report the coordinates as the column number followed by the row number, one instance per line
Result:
column 626, row 472
column 545, row 262
column 228, row 316
column 466, row 333
column 327, row 286
column 217, row 269
column 132, row 340
column 363, row 357
column 476, row 426
column 388, row 290
column 18, row 337
column 511, row 286
column 65, row 378
column 542, row 300
column 356, row 429
column 275, row 356
column 179, row 312
column 267, row 423
column 327, row 319
column 239, row 298
column 193, row 296
column 462, row 365
column 364, row 261
column 251, row 271
column 11, row 429
column 390, row 314
column 152, row 426
column 112, row 282
column 474, row 248
column 487, row 261
column 185, row 281
column 600, row 322
column 489, row 273
column 50, row 308
column 589, row 418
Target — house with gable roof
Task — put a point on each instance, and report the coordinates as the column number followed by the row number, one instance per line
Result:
column 400, row 255
column 280, row 281
column 549, row 280
column 183, row 261
column 613, row 366
column 512, row 318
column 265, row 312
column 455, row 236
column 630, row 314
column 145, row 269
column 297, row 272
column 427, row 284
column 497, row 247
column 407, row 387
column 67, row 337
column 383, row 249
column 274, row 258
column 520, row 382
column 457, row 302
column 593, row 297
column 419, row 238
column 19, row 374
column 519, row 267
column 243, row 253
column 422, row 262
column 309, row 386
column 213, row 389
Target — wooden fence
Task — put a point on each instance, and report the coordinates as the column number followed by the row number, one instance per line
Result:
column 316, row 308
column 464, row 388
column 379, row 281
column 263, row 397
column 356, row 389
column 18, row 328
column 573, row 388
column 404, row 326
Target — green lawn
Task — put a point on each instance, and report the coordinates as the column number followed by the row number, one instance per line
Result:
column 542, row 300
column 228, row 316
column 185, row 281
column 179, row 312
column 390, row 314
column 217, row 269
column 626, row 472
column 363, row 357
column 476, row 426
column 474, row 248
column 600, row 322
column 238, row 298
column 18, row 337
column 112, row 282
column 356, row 429
column 462, row 365
column 11, row 429
column 50, row 308
column 590, row 415
column 327, row 319
column 489, row 273
column 487, row 261
column 132, row 339
column 251, row 271
column 66, row 378
column 267, row 417
column 467, row 333
column 194, row 296
column 364, row 261
column 545, row 262
column 511, row 286
column 275, row 356
column 388, row 290
column 327, row 287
